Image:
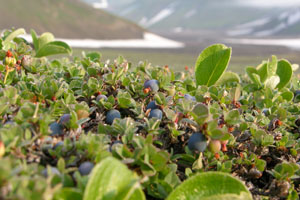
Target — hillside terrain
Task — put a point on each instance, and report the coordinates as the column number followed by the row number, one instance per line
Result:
column 232, row 17
column 66, row 19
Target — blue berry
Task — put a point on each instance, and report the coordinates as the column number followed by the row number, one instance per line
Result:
column 56, row 129
column 152, row 84
column 111, row 115
column 152, row 105
column 64, row 119
column 197, row 142
column 189, row 97
column 156, row 113
column 85, row 168
column 54, row 170
column 101, row 96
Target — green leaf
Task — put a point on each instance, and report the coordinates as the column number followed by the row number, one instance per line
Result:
column 51, row 48
column 272, row 66
column 262, row 71
column 253, row 75
column 272, row 82
column 68, row 193
column 228, row 77
column 45, row 38
column 12, row 35
column 287, row 95
column 203, row 186
column 211, row 64
column 201, row 111
column 34, row 39
column 110, row 179
column 285, row 72
column 94, row 56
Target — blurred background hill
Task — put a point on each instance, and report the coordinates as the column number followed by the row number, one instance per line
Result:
column 232, row 17
column 66, row 19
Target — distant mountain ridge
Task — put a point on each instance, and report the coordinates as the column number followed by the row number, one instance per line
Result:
column 66, row 19
column 230, row 16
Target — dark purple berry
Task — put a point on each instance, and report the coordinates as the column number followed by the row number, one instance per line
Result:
column 101, row 96
column 111, row 115
column 156, row 113
column 54, row 170
column 189, row 97
column 65, row 119
column 85, row 168
column 152, row 84
column 152, row 105
column 197, row 142
column 56, row 129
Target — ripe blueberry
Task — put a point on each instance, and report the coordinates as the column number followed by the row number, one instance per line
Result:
column 111, row 115
column 156, row 113
column 189, row 97
column 56, row 129
column 197, row 142
column 152, row 84
column 85, row 168
column 64, row 119
column 101, row 96
column 152, row 105
column 54, row 170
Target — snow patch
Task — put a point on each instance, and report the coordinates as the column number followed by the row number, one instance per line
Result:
column 269, row 32
column 240, row 32
column 290, row 43
column 150, row 40
column 160, row 16
column 190, row 13
column 255, row 23
column 103, row 4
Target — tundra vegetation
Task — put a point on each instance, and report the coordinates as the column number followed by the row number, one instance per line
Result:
column 84, row 128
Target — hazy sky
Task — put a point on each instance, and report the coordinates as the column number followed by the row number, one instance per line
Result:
column 268, row 3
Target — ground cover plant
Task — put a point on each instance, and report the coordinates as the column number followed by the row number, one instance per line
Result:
column 83, row 128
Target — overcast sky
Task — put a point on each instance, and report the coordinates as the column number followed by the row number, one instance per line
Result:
column 270, row 3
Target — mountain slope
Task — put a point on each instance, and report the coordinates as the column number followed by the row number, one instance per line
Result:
column 235, row 17
column 186, row 15
column 286, row 23
column 66, row 19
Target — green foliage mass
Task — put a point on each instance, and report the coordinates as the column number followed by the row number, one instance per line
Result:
column 250, row 123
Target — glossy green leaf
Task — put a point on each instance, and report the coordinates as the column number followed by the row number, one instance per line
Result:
column 201, row 111
column 272, row 66
column 211, row 64
column 68, row 193
column 203, row 186
column 51, row 48
column 253, row 75
column 35, row 39
column 228, row 77
column 285, row 72
column 110, row 179
column 272, row 82
column 262, row 71
column 287, row 95
column 12, row 35
column 45, row 38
